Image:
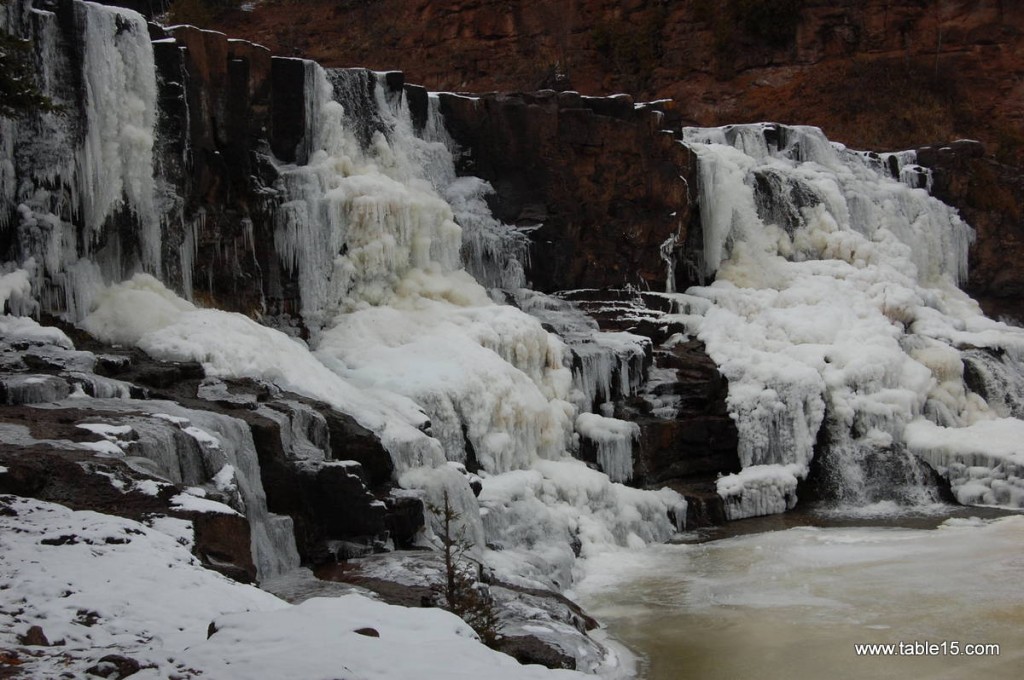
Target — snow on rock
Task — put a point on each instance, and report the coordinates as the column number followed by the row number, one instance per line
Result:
column 190, row 502
column 319, row 639
column 143, row 312
column 760, row 490
column 33, row 388
column 15, row 289
column 99, row 585
column 22, row 329
column 169, row 450
column 106, row 430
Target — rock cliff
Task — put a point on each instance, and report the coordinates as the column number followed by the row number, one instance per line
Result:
column 880, row 74
column 875, row 74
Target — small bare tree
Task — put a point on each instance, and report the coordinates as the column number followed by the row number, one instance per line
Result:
column 465, row 594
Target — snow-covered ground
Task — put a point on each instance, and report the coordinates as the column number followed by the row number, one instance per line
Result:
column 99, row 585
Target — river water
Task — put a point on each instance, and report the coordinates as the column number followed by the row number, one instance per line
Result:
column 793, row 603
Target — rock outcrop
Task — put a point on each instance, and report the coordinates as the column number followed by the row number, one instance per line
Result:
column 171, row 435
column 686, row 437
column 990, row 196
column 603, row 190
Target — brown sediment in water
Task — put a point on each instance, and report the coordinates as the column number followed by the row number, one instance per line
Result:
column 791, row 602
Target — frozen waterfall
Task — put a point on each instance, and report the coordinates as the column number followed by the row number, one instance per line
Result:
column 393, row 255
column 835, row 315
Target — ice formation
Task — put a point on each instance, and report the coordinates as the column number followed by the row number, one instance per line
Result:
column 614, row 440
column 834, row 306
column 834, row 303
column 605, row 365
column 402, row 337
column 95, row 169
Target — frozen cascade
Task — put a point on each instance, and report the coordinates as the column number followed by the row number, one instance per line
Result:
column 493, row 253
column 357, row 224
column 605, row 365
column 999, row 378
column 538, row 521
column 493, row 383
column 390, row 247
column 116, row 160
column 415, row 349
column 834, row 304
column 851, row 189
column 81, row 176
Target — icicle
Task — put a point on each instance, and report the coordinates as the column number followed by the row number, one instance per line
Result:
column 116, row 158
column 614, row 440
column 668, row 257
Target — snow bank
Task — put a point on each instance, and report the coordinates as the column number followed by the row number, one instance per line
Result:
column 325, row 637
column 144, row 591
column 100, row 585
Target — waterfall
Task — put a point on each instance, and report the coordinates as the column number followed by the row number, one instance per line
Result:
column 835, row 313
column 86, row 203
column 392, row 257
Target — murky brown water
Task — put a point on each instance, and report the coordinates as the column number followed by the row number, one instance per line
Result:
column 792, row 603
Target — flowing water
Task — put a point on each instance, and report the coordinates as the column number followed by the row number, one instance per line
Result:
column 794, row 603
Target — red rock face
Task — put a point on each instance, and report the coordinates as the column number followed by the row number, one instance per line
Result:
column 990, row 196
column 872, row 73
column 606, row 185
